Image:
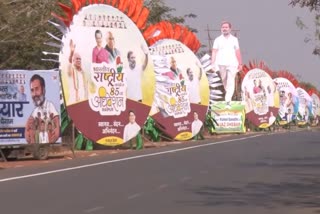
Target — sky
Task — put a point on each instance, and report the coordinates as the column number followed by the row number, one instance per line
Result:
column 268, row 32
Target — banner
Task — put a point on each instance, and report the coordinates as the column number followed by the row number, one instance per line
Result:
column 289, row 100
column 230, row 120
column 182, row 90
column 261, row 98
column 305, row 107
column 108, row 80
column 29, row 107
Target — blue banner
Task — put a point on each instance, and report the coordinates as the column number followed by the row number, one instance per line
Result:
column 29, row 107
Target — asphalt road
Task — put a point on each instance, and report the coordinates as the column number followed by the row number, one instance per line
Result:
column 276, row 173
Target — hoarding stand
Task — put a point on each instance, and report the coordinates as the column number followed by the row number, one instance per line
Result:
column 73, row 141
column 3, row 156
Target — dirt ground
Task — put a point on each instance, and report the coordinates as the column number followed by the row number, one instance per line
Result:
column 64, row 153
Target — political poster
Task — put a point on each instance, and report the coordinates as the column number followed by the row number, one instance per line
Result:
column 231, row 119
column 29, row 107
column 261, row 98
column 289, row 100
column 305, row 107
column 315, row 108
column 182, row 92
column 107, row 75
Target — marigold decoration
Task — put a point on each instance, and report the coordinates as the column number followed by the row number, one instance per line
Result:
column 134, row 9
column 255, row 64
column 167, row 30
column 289, row 76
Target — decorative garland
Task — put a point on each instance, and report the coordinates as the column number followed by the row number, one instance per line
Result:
column 134, row 9
column 167, row 30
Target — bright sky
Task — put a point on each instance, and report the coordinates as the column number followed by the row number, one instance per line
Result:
column 268, row 31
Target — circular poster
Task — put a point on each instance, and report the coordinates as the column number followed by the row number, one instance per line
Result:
column 182, row 90
column 305, row 106
column 107, row 75
column 316, row 107
column 261, row 98
column 289, row 100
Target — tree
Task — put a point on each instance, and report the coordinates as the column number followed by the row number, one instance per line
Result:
column 159, row 11
column 313, row 6
column 23, row 27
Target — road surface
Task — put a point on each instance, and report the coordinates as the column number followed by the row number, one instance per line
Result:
column 263, row 173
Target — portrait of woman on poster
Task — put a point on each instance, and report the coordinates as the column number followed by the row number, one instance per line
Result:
column 256, row 88
column 99, row 54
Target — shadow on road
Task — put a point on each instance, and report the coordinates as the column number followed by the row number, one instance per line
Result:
column 300, row 188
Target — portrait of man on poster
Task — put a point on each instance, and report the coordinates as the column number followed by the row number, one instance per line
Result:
column 42, row 107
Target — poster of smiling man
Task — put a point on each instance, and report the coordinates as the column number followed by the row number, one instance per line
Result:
column 29, row 107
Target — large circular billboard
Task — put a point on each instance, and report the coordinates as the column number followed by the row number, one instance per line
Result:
column 107, row 75
column 289, row 99
column 182, row 90
column 261, row 98
column 305, row 106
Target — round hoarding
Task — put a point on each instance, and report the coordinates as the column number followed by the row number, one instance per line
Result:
column 182, row 90
column 305, row 106
column 289, row 99
column 108, row 80
column 261, row 98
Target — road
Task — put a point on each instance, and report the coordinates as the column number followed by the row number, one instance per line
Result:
column 271, row 173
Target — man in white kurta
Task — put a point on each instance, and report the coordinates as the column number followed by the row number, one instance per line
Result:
column 196, row 124
column 134, row 76
column 226, row 58
column 272, row 118
column 131, row 129
column 79, row 85
column 43, row 134
column 193, row 86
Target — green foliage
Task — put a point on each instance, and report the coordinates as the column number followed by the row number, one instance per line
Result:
column 151, row 130
column 210, row 123
column 159, row 11
column 23, row 27
column 313, row 6
column 65, row 121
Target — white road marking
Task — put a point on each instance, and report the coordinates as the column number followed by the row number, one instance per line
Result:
column 93, row 209
column 125, row 159
column 162, row 186
column 134, row 196
column 184, row 179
